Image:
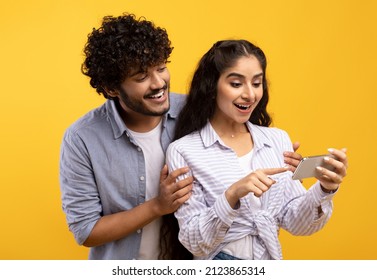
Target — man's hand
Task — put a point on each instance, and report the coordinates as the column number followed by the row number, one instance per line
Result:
column 173, row 193
column 292, row 159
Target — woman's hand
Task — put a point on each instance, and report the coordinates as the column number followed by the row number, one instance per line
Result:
column 330, row 180
column 256, row 182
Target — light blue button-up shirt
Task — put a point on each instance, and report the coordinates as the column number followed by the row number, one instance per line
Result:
column 102, row 172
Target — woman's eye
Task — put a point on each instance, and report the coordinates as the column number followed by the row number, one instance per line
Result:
column 235, row 84
column 257, row 84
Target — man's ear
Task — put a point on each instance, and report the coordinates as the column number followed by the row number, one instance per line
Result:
column 112, row 92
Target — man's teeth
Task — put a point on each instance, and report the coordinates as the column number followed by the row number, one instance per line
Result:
column 158, row 95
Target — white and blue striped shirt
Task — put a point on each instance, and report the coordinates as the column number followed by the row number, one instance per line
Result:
column 208, row 223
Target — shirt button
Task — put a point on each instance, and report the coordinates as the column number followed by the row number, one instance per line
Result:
column 138, row 231
column 139, row 149
column 142, row 178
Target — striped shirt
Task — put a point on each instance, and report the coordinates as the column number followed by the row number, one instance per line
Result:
column 208, row 223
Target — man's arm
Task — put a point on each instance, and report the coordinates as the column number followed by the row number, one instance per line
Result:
column 116, row 226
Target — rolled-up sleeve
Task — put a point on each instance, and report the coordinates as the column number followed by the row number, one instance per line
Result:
column 80, row 199
column 301, row 213
column 307, row 213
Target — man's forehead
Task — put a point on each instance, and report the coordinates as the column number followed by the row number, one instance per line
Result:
column 137, row 70
column 142, row 69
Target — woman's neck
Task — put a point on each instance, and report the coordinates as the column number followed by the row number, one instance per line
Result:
column 235, row 136
column 229, row 129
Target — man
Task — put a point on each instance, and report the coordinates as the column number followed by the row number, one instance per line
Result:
column 115, row 185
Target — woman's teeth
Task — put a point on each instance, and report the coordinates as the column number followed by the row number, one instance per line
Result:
column 242, row 107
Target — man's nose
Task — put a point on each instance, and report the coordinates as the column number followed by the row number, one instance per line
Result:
column 157, row 81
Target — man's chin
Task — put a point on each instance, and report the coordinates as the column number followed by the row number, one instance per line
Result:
column 158, row 113
column 161, row 109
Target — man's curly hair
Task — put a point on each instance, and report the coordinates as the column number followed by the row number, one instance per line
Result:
column 123, row 44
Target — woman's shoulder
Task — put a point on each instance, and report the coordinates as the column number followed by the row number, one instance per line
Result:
column 186, row 142
column 187, row 139
column 270, row 131
column 272, row 136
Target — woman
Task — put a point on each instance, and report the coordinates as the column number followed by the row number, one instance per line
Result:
column 242, row 193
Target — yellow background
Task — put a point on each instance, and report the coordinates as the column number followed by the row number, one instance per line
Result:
column 322, row 72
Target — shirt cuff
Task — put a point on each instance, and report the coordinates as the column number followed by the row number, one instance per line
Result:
column 223, row 210
column 82, row 233
column 319, row 195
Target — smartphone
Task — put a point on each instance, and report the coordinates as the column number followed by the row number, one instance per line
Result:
column 307, row 166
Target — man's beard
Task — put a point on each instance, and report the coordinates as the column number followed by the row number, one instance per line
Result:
column 138, row 106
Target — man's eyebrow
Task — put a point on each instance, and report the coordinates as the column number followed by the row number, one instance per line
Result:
column 137, row 72
column 235, row 74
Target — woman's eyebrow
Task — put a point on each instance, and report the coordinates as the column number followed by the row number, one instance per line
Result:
column 235, row 74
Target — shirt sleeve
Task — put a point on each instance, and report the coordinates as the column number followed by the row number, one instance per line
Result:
column 80, row 198
column 305, row 211
column 202, row 227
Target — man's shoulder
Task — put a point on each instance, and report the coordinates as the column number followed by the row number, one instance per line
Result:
column 178, row 97
column 92, row 118
column 177, row 101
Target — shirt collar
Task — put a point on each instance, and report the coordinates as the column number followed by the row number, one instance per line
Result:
column 210, row 137
column 259, row 136
column 115, row 119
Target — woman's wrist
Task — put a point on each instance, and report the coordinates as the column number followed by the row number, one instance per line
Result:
column 232, row 198
column 327, row 190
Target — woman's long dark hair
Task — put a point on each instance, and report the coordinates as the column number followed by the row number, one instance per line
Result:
column 200, row 107
column 171, row 247
column 201, row 100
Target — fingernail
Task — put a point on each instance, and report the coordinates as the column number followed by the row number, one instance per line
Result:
column 331, row 150
column 273, row 181
column 326, row 158
column 319, row 168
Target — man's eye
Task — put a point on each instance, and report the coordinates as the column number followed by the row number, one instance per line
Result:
column 162, row 69
column 141, row 78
